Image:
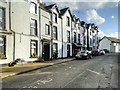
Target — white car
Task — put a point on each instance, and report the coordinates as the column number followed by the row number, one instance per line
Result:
column 83, row 55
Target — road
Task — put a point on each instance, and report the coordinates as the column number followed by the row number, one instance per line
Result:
column 98, row 72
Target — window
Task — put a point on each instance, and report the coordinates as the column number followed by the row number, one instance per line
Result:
column 2, row 47
column 68, row 36
column 55, row 48
column 55, row 32
column 75, row 25
column 33, row 48
column 90, row 41
column 47, row 29
column 84, row 40
column 2, row 18
column 78, row 38
column 55, row 17
column 33, row 27
column 90, row 32
column 74, row 37
column 33, row 8
column 93, row 40
column 68, row 21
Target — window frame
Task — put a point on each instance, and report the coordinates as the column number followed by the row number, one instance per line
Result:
column 68, row 21
column 35, row 27
column 55, row 33
column 55, row 17
column 47, row 31
column 4, row 46
column 3, row 21
column 78, row 38
column 56, row 48
column 75, row 37
column 36, row 48
column 68, row 36
column 35, row 8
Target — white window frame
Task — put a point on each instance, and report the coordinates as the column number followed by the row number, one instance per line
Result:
column 35, row 8
column 55, row 33
column 35, row 27
column 2, row 19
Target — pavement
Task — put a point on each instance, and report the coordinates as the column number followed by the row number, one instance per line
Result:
column 28, row 67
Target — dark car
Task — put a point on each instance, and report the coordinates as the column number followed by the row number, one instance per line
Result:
column 106, row 50
column 96, row 52
column 83, row 55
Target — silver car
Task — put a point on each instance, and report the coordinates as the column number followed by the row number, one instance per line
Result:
column 83, row 55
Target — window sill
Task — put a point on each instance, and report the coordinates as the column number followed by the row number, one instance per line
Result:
column 34, row 35
column 33, row 57
column 36, row 14
column 3, row 58
column 47, row 34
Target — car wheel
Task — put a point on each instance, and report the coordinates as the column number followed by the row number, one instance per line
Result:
column 86, row 57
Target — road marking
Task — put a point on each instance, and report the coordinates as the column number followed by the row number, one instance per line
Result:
column 93, row 71
column 46, row 81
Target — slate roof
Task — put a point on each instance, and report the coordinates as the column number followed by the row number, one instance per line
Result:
column 112, row 39
column 62, row 11
column 50, row 6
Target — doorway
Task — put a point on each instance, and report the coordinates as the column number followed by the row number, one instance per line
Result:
column 68, row 50
column 46, row 52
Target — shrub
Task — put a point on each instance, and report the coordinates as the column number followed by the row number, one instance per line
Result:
column 2, row 55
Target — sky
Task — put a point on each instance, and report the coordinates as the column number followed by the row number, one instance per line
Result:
column 103, row 13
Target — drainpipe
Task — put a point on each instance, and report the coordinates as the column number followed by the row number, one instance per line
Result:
column 11, row 30
column 51, row 34
column 40, row 30
column 62, row 34
column 88, row 38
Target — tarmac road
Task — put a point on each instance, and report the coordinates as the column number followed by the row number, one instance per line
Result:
column 98, row 72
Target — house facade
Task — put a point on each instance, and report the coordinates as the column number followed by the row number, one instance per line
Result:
column 40, row 30
column 66, row 32
column 23, row 42
column 110, row 43
column 6, row 34
column 51, row 32
column 76, row 35
column 92, row 37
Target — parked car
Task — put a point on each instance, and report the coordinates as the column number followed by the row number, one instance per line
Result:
column 102, row 52
column 96, row 52
column 83, row 55
column 106, row 50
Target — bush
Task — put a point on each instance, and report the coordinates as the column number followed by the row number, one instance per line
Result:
column 34, row 54
column 2, row 56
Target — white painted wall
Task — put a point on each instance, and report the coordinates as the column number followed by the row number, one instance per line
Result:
column 65, row 28
column 9, row 38
column 21, row 25
column 105, row 44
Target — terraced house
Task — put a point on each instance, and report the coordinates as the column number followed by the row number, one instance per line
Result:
column 30, row 29
column 19, row 30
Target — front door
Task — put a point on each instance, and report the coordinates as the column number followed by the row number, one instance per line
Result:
column 68, row 50
column 46, row 52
